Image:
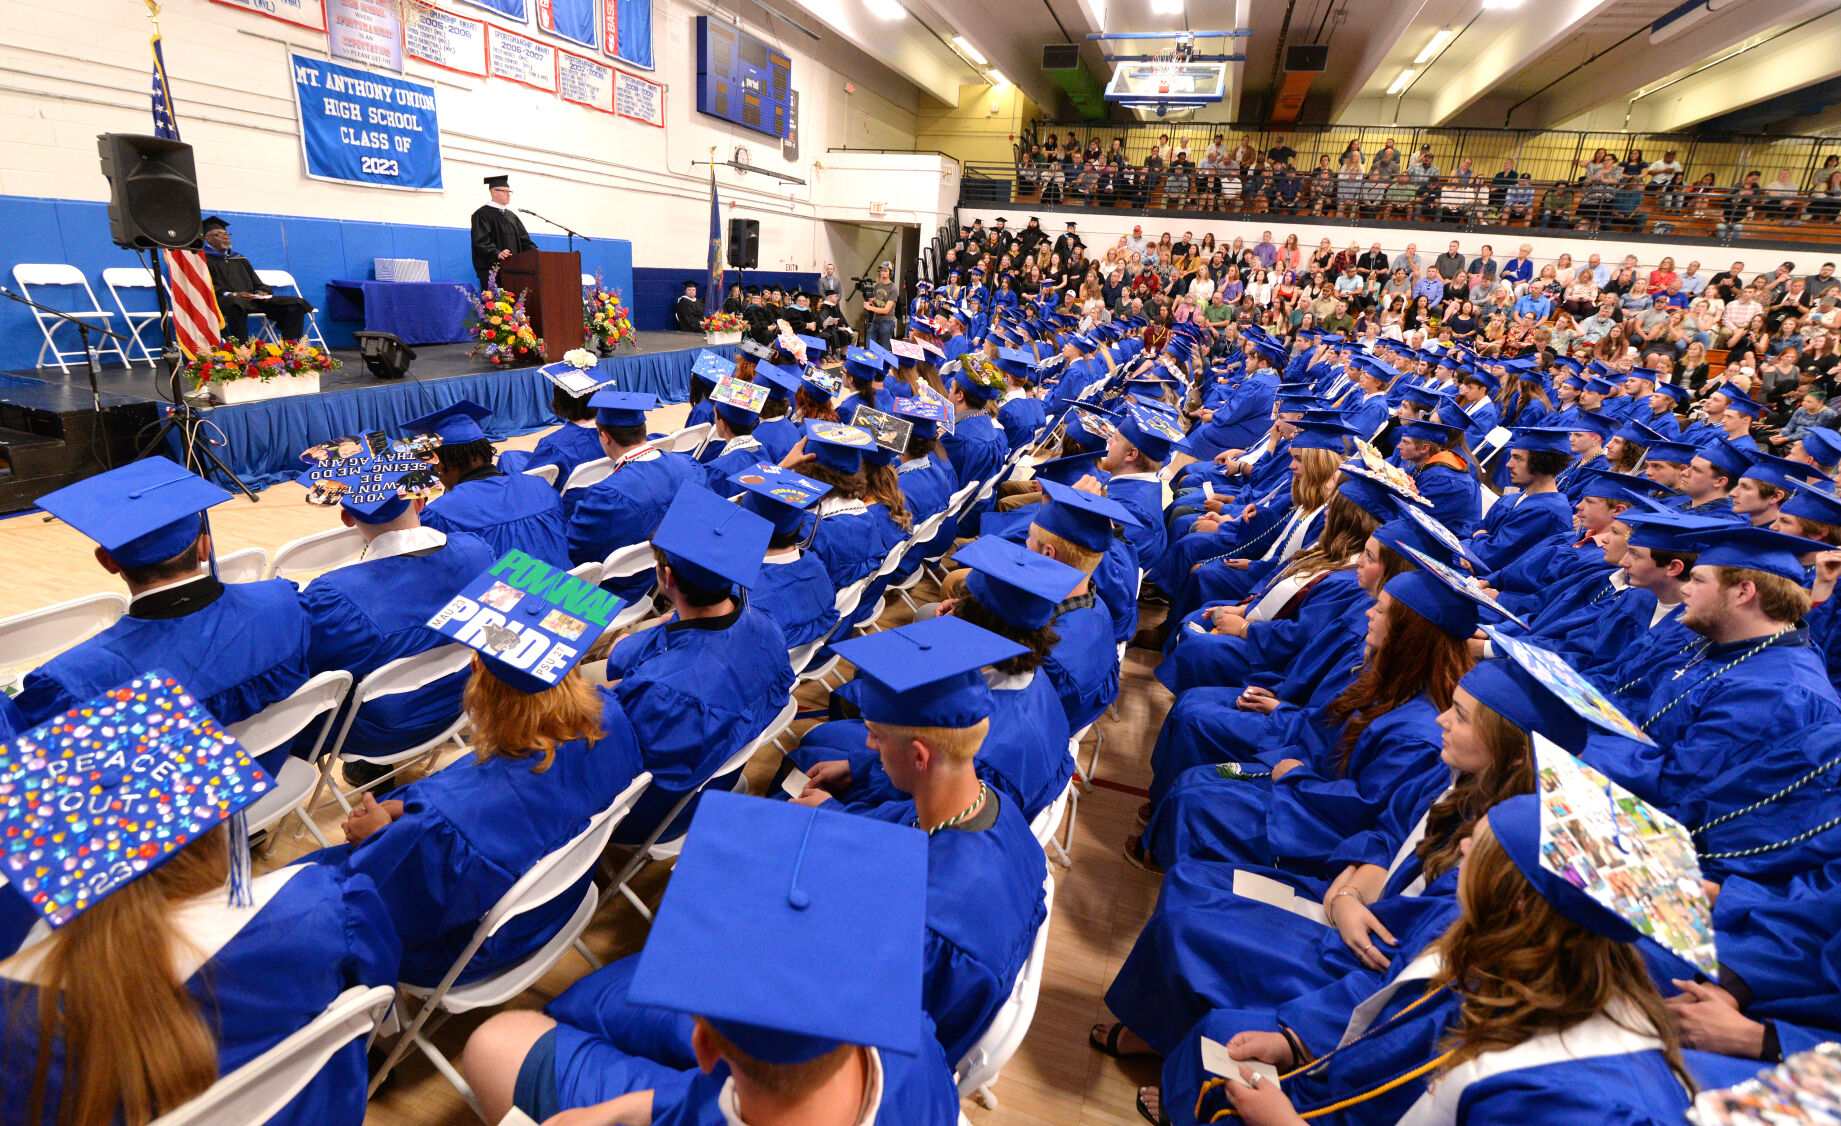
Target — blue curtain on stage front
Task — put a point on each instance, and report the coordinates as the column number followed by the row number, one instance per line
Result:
column 635, row 31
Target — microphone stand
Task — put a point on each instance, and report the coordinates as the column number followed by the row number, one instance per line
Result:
column 84, row 328
column 573, row 235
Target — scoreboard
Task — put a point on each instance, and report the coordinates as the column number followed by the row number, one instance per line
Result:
column 741, row 79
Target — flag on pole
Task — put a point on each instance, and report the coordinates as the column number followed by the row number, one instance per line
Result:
column 712, row 301
column 196, row 317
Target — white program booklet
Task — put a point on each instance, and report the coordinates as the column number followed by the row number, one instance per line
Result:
column 1264, row 889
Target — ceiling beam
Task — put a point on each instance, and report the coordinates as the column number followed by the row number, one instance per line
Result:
column 1395, row 23
column 1511, row 39
column 903, row 45
column 1807, row 55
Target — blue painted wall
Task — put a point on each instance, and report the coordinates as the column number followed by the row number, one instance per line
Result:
column 313, row 250
column 654, row 291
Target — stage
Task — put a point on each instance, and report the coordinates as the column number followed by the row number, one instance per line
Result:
column 262, row 441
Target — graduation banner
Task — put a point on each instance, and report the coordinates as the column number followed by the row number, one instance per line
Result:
column 510, row 9
column 368, row 32
column 584, row 81
column 363, row 128
column 638, row 99
column 301, row 13
column 521, row 58
column 574, row 20
column 446, row 40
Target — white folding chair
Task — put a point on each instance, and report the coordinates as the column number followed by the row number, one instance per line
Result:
column 321, row 551
column 981, row 1066
column 279, row 281
column 923, row 533
column 45, row 274
column 845, row 603
column 547, row 472
column 246, row 566
column 117, row 278
column 624, row 563
column 655, row 850
column 686, row 441
column 401, row 676
column 588, row 473
column 27, row 639
column 260, row 1089
column 548, row 878
column 1049, row 820
column 276, row 726
column 587, row 572
column 587, row 281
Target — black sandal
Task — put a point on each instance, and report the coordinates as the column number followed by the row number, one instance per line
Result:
column 1110, row 1045
column 1158, row 1119
column 1140, row 858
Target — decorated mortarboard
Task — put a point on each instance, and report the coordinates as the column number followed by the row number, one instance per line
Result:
column 1738, row 400
column 622, row 408
column 1019, row 586
column 907, row 353
column 779, row 495
column 926, row 674
column 1551, row 439
column 759, row 875
column 780, row 383
column 530, row 621
column 890, row 431
column 576, row 382
column 1459, row 584
column 710, row 542
column 1781, row 471
column 1816, row 502
column 1822, row 444
column 108, row 791
column 711, row 367
column 752, row 347
column 1151, row 433
column 1558, row 681
column 1399, row 533
column 455, row 424
column 1726, row 457
column 1753, row 549
column 838, row 445
column 977, row 380
column 823, row 383
column 1606, row 859
column 141, row 513
column 929, row 414
column 734, row 391
column 1370, row 466
column 862, row 363
column 375, row 490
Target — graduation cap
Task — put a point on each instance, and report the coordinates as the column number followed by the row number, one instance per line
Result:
column 1675, row 453
column 1754, row 549
column 1437, row 602
column 822, row 383
column 579, row 382
column 863, row 363
column 1822, row 444
column 927, row 414
column 752, row 347
column 1069, row 469
column 710, row 542
column 1738, row 400
column 1016, row 362
column 109, row 790
column 778, row 495
column 1816, row 502
column 498, row 181
column 1781, row 471
column 1726, row 457
column 375, row 490
column 779, row 382
column 530, row 621
column 1535, row 439
column 1423, row 397
column 213, row 223
column 1539, row 679
column 1425, row 430
column 1639, row 433
column 1460, row 585
column 837, row 445
column 689, row 283
column 926, row 674
column 1623, row 488
column 755, row 875
column 1082, row 518
column 813, row 345
column 975, row 380
column 1019, row 586
column 1400, row 532
column 1677, row 393
column 907, row 352
column 455, row 424
column 1593, row 422
column 1666, row 530
column 622, row 408
column 1482, row 376
column 710, row 367
column 1323, row 434
column 738, row 401
column 1607, row 860
column 141, row 513
column 1371, row 492
column 1151, row 433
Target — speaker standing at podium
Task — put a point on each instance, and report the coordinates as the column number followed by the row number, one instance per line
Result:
column 240, row 292
column 498, row 233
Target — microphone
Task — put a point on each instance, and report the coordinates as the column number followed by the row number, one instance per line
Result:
column 528, row 211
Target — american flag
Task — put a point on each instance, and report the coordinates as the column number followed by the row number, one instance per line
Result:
column 196, row 318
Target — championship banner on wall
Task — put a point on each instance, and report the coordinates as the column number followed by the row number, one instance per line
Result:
column 574, row 20
column 301, row 13
column 513, row 10
column 584, row 82
column 368, row 32
column 639, row 99
column 521, row 58
column 446, row 40
column 362, row 128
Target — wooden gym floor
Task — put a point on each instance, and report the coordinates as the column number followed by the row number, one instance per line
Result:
column 1099, row 906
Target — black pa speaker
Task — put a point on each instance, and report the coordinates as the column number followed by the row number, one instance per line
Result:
column 1307, row 57
column 1060, row 56
column 745, row 243
column 153, row 191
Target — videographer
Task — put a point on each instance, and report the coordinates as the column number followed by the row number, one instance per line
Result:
column 881, row 306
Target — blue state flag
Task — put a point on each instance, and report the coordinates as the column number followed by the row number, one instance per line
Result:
column 712, row 298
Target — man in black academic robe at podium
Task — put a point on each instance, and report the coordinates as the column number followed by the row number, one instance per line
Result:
column 240, row 292
column 498, row 233
column 687, row 314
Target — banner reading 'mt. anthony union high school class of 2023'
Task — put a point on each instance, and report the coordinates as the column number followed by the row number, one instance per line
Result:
column 357, row 127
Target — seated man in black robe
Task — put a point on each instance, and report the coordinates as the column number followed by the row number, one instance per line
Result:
column 687, row 314
column 240, row 292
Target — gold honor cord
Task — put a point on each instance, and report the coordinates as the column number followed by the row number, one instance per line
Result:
column 1341, row 1104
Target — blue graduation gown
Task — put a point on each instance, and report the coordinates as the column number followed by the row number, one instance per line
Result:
column 696, row 692
column 1021, row 419
column 510, row 511
column 238, row 653
column 314, row 933
column 1455, row 496
column 1115, row 580
column 777, row 436
column 1239, row 419
column 1629, row 676
column 1719, row 508
column 565, row 447
column 926, row 486
column 976, row 448
column 916, row 1091
column 625, row 508
column 727, row 459
column 1624, row 1089
column 849, row 540
column 1328, row 612
column 1514, row 524
column 1772, row 817
column 1084, row 665
column 1143, row 495
column 470, row 830
column 371, row 613
column 702, row 411
column 798, row 596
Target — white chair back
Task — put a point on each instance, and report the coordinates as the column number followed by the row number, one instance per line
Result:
column 321, row 551
column 117, row 278
column 587, row 281
column 412, row 674
column 280, row 281
column 282, row 720
column 981, row 1066
column 547, row 472
column 263, row 1087
column 28, row 638
column 624, row 563
column 686, row 441
column 588, row 473
column 246, row 566
column 28, row 274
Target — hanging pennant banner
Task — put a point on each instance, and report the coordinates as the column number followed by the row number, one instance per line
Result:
column 574, row 20
column 521, row 58
column 362, row 128
column 446, row 40
column 303, row 13
column 510, row 9
column 639, row 99
column 585, row 82
column 367, row 32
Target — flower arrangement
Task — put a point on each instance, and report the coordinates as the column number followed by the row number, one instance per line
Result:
column 606, row 319
column 723, row 322
column 581, row 359
column 234, row 359
column 501, row 328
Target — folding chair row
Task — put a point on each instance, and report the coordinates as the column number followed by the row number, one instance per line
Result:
column 64, row 277
column 1004, row 1035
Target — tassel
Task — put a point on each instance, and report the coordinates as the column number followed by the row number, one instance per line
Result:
column 240, row 895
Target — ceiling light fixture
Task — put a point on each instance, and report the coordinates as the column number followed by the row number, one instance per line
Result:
column 1440, row 37
column 996, row 78
column 1400, row 83
column 885, row 9
column 969, row 51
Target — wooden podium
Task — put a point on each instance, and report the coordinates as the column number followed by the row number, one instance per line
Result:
column 551, row 281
